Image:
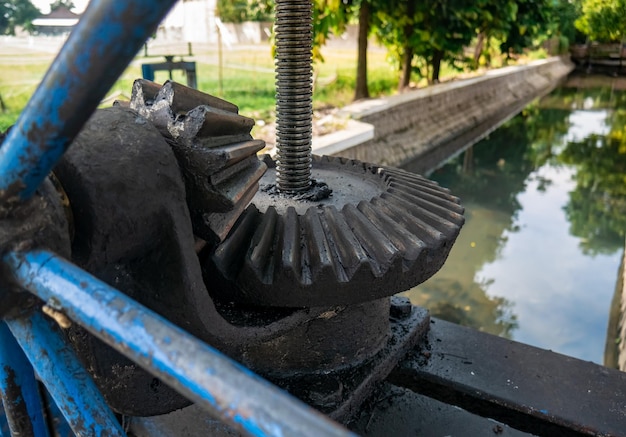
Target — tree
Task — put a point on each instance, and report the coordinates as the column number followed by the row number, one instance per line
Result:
column 532, row 20
column 16, row 13
column 446, row 28
column 432, row 30
column 332, row 16
column 232, row 11
column 603, row 20
column 493, row 19
column 68, row 4
column 361, row 90
column 329, row 17
column 568, row 11
column 597, row 206
column 238, row 11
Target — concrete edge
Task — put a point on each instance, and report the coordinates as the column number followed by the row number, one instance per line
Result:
column 367, row 107
column 356, row 132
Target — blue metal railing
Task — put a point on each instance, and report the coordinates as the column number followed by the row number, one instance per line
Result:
column 106, row 39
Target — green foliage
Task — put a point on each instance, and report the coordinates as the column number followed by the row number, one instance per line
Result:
column 533, row 20
column 329, row 17
column 238, row 11
column 603, row 20
column 16, row 13
column 565, row 27
column 69, row 4
column 597, row 206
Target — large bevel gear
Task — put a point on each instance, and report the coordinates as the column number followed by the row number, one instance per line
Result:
column 381, row 232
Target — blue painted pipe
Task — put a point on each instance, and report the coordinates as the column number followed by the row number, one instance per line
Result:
column 199, row 372
column 57, row 421
column 4, row 425
column 23, row 410
column 68, row 383
column 106, row 39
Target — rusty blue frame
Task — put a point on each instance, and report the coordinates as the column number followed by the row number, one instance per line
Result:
column 106, row 39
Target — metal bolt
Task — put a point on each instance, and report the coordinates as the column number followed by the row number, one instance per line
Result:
column 400, row 307
column 294, row 93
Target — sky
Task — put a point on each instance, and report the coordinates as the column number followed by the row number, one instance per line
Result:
column 44, row 5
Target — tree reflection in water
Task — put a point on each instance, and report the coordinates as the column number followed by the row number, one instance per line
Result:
column 489, row 179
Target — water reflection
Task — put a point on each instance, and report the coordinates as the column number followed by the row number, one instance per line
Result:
column 545, row 200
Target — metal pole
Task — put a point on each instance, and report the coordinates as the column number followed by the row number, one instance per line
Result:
column 108, row 36
column 19, row 389
column 294, row 94
column 71, row 387
column 199, row 372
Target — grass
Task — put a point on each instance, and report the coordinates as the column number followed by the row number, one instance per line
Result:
column 247, row 78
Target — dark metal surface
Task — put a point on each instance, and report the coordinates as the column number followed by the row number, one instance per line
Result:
column 383, row 232
column 341, row 393
column 294, row 91
column 198, row 371
column 531, row 389
column 394, row 411
column 138, row 237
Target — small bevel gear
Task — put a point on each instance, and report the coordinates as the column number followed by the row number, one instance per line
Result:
column 214, row 149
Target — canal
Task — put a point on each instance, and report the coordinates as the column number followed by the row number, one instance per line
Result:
column 545, row 199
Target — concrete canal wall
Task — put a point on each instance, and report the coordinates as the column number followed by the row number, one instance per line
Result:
column 615, row 349
column 428, row 125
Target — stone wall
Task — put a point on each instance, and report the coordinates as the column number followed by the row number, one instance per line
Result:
column 425, row 126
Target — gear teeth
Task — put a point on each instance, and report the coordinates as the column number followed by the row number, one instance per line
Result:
column 183, row 99
column 207, row 122
column 349, row 253
column 430, row 208
column 407, row 243
column 294, row 264
column 228, row 257
column 260, row 257
column 143, row 96
column 319, row 252
column 330, row 255
column 442, row 199
column 379, row 248
column 213, row 146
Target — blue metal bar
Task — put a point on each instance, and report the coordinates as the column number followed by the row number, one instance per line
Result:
column 67, row 381
column 196, row 370
column 57, row 422
column 4, row 425
column 19, row 389
column 105, row 40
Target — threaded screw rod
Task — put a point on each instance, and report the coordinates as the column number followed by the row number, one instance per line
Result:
column 294, row 94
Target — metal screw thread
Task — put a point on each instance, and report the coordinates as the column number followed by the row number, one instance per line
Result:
column 294, row 94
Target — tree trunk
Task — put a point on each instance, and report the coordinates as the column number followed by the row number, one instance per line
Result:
column 407, row 55
column 478, row 51
column 361, row 91
column 437, row 57
column 407, row 67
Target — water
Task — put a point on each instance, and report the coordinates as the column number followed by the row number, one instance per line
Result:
column 545, row 196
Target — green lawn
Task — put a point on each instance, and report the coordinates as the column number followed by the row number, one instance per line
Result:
column 247, row 77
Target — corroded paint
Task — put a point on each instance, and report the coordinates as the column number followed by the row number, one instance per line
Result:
column 68, row 383
column 19, row 390
column 203, row 374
